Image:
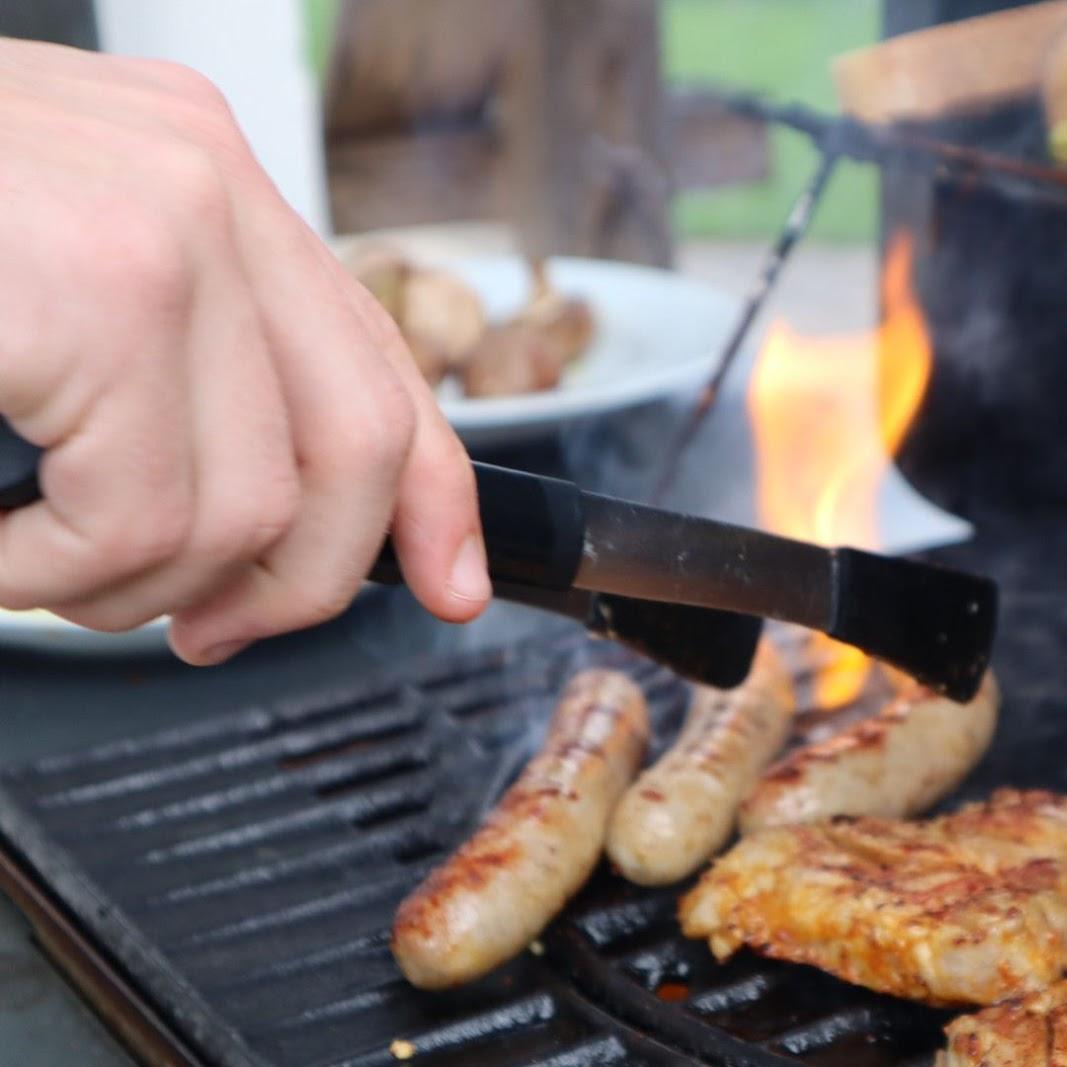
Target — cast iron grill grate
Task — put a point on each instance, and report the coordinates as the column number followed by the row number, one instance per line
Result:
column 243, row 873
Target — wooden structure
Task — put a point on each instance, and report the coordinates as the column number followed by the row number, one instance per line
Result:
column 548, row 114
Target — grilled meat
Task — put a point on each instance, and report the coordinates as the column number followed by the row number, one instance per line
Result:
column 439, row 315
column 1031, row 1032
column 444, row 323
column 530, row 352
column 442, row 312
column 536, row 848
column 516, row 358
column 969, row 908
column 898, row 763
column 682, row 809
column 384, row 272
column 565, row 322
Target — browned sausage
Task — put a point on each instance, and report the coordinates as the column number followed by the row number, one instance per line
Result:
column 682, row 810
column 536, row 848
column 913, row 752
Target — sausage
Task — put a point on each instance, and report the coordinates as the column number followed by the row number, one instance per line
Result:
column 916, row 750
column 536, row 848
column 682, row 810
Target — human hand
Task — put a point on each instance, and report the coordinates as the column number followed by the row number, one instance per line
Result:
column 230, row 422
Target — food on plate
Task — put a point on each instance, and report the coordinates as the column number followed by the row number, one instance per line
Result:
column 968, row 908
column 536, row 847
column 431, row 359
column 440, row 316
column 682, row 809
column 901, row 761
column 511, row 359
column 565, row 322
column 530, row 353
column 442, row 311
column 1028, row 1032
column 445, row 325
column 383, row 271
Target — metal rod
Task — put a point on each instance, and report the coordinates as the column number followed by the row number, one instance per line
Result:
column 898, row 145
column 796, row 225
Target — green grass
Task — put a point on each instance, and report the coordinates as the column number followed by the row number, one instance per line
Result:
column 319, row 19
column 782, row 48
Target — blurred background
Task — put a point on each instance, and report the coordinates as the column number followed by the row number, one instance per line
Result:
column 392, row 67
column 463, row 131
column 499, row 173
column 579, row 212
column 247, row 45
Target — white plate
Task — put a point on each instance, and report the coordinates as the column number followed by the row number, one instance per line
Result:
column 657, row 332
column 45, row 632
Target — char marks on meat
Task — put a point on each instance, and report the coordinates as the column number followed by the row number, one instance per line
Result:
column 1029, row 1032
column 968, row 908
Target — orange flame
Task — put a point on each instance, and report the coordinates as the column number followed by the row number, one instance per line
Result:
column 828, row 415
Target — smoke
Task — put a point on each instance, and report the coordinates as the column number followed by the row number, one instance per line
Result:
column 625, row 454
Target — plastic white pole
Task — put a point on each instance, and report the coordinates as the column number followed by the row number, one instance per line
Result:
column 254, row 51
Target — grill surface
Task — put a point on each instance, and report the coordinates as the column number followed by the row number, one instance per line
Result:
column 243, row 872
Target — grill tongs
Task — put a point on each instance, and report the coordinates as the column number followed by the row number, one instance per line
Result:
column 690, row 592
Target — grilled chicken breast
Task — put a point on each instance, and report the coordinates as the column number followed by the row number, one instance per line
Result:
column 900, row 762
column 970, row 908
column 1031, row 1032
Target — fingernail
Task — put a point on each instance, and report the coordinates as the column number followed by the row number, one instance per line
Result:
column 220, row 653
column 469, row 579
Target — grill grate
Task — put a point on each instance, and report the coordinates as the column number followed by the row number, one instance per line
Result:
column 244, row 872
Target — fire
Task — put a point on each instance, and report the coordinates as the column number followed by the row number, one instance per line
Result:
column 828, row 415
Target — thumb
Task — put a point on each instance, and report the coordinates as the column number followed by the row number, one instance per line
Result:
column 436, row 529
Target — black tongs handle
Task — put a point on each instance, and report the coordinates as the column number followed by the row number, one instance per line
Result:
column 18, row 469
column 534, row 527
column 937, row 625
column 534, row 533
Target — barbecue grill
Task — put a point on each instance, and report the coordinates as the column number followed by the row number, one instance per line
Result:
column 217, row 876
column 234, row 878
